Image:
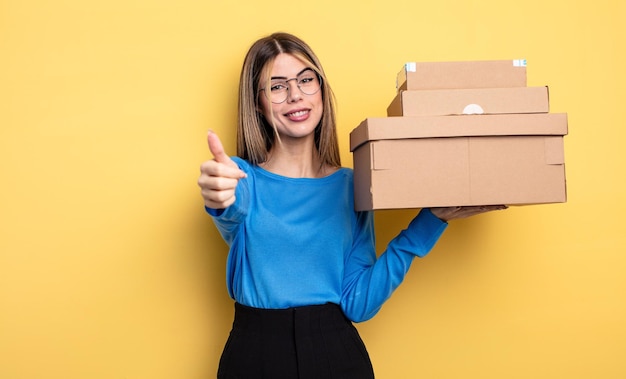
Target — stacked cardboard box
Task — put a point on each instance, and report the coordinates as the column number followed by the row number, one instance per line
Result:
column 461, row 133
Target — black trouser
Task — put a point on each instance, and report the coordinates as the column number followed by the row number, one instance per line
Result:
column 316, row 342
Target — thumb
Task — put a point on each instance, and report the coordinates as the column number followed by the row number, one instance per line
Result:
column 215, row 145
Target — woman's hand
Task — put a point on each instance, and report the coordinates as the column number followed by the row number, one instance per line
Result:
column 451, row 213
column 219, row 176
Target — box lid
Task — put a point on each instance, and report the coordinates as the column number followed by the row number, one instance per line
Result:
column 386, row 128
column 462, row 74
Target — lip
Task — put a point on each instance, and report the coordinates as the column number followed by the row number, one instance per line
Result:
column 299, row 114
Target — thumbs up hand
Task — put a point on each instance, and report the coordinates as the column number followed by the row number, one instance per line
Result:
column 219, row 176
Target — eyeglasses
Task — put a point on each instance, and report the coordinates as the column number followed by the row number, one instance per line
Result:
column 308, row 81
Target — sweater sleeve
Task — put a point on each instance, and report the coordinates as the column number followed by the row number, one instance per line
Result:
column 368, row 282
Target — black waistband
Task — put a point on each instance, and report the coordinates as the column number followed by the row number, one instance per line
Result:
column 279, row 321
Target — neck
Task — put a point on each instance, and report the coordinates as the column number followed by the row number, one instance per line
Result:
column 295, row 161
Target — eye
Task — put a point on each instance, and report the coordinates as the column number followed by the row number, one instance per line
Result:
column 307, row 79
column 277, row 87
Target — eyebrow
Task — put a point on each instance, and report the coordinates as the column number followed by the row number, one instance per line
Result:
column 300, row 73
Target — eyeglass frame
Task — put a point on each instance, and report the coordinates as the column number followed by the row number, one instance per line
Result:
column 319, row 78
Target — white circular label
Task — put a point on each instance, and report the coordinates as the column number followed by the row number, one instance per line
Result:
column 473, row 109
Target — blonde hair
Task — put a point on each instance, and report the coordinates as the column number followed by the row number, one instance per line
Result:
column 255, row 135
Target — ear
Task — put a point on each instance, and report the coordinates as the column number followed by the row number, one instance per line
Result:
column 261, row 106
column 259, row 102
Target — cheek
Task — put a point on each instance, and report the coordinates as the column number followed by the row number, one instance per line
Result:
column 320, row 103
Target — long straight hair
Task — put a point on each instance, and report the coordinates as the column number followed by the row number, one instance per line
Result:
column 255, row 135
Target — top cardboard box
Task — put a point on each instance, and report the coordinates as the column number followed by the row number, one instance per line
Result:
column 455, row 75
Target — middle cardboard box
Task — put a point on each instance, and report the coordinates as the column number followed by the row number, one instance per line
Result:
column 444, row 102
column 431, row 161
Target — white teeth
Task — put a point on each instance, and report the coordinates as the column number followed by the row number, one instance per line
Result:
column 298, row 113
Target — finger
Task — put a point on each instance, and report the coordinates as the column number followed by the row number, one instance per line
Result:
column 218, row 183
column 214, row 169
column 217, row 197
column 218, row 201
column 489, row 208
column 215, row 145
column 477, row 210
column 452, row 213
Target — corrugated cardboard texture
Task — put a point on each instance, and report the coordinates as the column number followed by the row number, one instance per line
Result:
column 510, row 165
column 473, row 74
column 470, row 101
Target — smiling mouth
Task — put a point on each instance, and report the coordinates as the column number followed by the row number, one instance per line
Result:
column 297, row 113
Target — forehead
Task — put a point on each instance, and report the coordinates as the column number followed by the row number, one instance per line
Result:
column 287, row 66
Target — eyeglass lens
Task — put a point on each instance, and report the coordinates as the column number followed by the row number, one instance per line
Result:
column 308, row 82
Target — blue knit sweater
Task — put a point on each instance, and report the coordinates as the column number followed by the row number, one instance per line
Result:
column 299, row 241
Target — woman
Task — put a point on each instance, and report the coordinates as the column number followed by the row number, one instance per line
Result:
column 302, row 264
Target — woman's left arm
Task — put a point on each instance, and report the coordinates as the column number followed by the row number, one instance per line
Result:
column 368, row 281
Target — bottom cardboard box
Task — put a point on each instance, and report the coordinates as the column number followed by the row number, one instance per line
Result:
column 417, row 162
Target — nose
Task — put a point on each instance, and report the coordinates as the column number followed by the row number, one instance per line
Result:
column 294, row 93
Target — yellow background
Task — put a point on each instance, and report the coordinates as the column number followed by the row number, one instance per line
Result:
column 109, row 267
